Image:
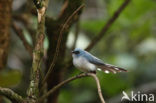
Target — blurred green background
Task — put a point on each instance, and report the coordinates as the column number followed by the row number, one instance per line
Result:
column 129, row 43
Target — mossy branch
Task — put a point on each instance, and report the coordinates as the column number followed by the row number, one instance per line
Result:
column 11, row 95
column 38, row 50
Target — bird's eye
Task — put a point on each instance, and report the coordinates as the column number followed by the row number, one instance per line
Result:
column 76, row 52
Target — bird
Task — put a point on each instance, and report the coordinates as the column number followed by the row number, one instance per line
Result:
column 86, row 62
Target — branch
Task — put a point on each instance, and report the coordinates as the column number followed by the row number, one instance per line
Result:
column 107, row 26
column 59, row 43
column 74, row 78
column 20, row 34
column 11, row 95
column 98, row 86
column 38, row 49
column 41, row 6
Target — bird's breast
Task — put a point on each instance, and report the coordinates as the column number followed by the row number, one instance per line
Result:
column 83, row 64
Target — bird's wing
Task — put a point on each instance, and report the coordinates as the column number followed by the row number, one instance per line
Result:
column 103, row 66
column 92, row 59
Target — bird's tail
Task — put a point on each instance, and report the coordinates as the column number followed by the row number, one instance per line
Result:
column 111, row 68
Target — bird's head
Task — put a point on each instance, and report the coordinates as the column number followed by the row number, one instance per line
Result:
column 77, row 52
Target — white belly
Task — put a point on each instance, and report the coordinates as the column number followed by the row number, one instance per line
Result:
column 83, row 65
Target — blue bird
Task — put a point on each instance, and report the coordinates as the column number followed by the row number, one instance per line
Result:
column 86, row 62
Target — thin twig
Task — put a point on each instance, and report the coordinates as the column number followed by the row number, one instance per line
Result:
column 107, row 26
column 64, row 7
column 71, row 79
column 11, row 95
column 98, row 87
column 77, row 28
column 20, row 34
column 23, row 18
column 59, row 43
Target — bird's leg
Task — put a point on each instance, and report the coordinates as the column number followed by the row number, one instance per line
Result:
column 92, row 72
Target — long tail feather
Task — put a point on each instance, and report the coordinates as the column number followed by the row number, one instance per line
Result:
column 111, row 68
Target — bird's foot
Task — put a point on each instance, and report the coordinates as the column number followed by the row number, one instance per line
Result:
column 92, row 72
